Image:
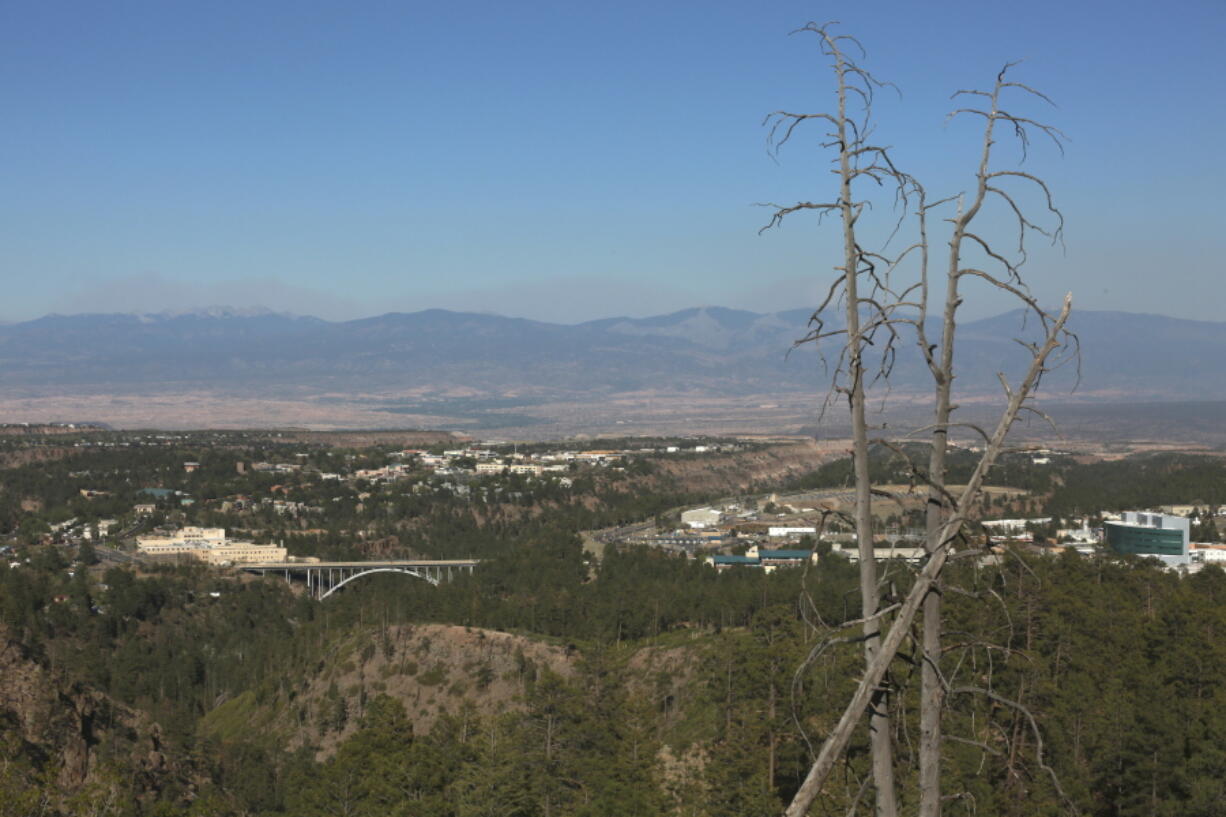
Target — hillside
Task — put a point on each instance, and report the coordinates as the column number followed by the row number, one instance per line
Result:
column 79, row 732
column 640, row 683
column 435, row 670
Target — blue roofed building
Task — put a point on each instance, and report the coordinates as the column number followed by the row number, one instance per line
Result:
column 723, row 562
column 763, row 558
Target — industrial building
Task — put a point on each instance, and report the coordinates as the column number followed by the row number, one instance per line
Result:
column 702, row 517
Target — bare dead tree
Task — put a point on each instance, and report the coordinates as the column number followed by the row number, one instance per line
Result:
column 939, row 357
column 875, row 311
column 836, row 742
column 869, row 303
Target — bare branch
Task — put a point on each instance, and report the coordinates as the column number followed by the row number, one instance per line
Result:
column 836, row 742
column 1034, row 728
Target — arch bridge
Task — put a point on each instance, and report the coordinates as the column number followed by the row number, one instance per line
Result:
column 325, row 578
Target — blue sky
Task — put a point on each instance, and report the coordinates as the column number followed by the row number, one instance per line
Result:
column 565, row 161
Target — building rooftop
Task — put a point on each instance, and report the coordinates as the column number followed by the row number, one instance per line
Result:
column 720, row 559
column 784, row 554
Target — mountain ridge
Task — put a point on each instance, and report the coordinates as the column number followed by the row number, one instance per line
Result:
column 700, row 350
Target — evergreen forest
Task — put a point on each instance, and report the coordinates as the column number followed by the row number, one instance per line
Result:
column 555, row 682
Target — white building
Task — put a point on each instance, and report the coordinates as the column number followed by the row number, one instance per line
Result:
column 1007, row 527
column 793, row 530
column 1208, row 553
column 209, row 545
column 911, row 554
column 702, row 517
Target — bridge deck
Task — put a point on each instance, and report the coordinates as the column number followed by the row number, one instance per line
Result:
column 352, row 565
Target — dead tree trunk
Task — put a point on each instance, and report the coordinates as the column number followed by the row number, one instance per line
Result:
column 836, row 742
column 869, row 318
column 880, row 735
column 873, row 311
column 941, row 366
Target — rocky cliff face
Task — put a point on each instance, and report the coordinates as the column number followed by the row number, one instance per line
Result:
column 744, row 471
column 64, row 727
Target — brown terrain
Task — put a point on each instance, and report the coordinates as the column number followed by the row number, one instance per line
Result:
column 744, row 471
column 434, row 670
column 1099, row 424
column 636, row 413
column 73, row 723
column 362, row 439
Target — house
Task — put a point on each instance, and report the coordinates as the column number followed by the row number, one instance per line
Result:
column 103, row 525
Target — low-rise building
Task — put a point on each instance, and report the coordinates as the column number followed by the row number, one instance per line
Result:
column 209, row 545
column 907, row 554
column 241, row 553
column 778, row 531
column 1013, row 527
column 1208, row 553
column 765, row 558
column 722, row 562
column 103, row 527
column 702, row 517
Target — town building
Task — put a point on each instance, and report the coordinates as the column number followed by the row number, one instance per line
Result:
column 1162, row 536
column 764, row 558
column 908, row 554
column 702, row 517
column 103, row 527
column 1208, row 553
column 722, row 562
column 778, row 531
column 209, row 545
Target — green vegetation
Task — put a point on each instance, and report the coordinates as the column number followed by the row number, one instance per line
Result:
column 681, row 694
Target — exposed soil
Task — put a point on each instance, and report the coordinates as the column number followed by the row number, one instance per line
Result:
column 744, row 471
column 433, row 669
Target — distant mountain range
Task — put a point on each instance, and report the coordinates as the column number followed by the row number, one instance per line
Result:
column 702, row 350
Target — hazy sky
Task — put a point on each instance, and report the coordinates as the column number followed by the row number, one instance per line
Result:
column 565, row 160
